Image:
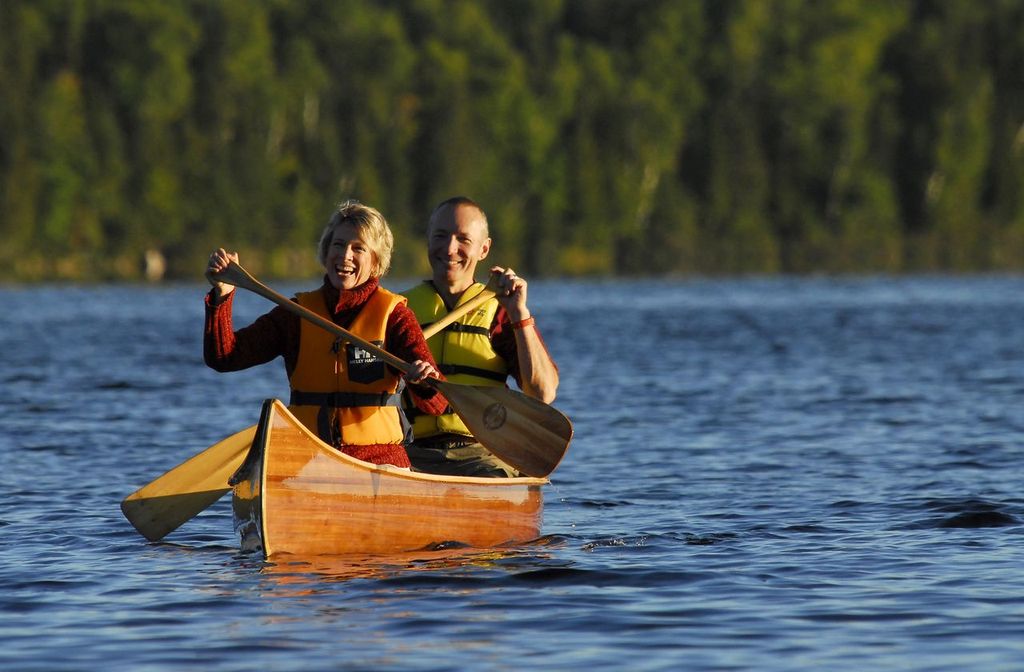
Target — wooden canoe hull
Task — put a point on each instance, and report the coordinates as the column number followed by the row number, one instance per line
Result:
column 297, row 495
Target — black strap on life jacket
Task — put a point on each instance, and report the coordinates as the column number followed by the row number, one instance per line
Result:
column 326, row 421
column 452, row 369
column 459, row 328
column 344, row 399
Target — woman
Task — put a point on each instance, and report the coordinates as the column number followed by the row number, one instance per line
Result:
column 341, row 392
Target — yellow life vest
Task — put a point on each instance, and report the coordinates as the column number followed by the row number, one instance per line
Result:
column 345, row 394
column 462, row 351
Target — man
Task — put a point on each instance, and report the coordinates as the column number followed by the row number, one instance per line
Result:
column 497, row 340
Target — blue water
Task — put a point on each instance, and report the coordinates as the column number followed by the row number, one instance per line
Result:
column 767, row 474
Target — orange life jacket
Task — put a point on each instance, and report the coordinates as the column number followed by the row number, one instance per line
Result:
column 345, row 394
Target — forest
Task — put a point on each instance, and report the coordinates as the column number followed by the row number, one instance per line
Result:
column 602, row 137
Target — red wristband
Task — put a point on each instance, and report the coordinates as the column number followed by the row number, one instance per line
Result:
column 522, row 324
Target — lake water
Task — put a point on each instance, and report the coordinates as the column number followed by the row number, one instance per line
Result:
column 767, row 474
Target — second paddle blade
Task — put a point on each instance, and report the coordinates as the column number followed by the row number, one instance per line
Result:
column 526, row 433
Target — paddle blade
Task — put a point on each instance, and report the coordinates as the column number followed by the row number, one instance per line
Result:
column 159, row 508
column 526, row 433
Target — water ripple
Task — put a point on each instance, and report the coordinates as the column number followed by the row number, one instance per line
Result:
column 767, row 474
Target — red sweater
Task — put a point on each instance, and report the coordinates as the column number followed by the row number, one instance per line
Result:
column 277, row 334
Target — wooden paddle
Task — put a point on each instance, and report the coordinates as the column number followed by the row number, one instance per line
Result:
column 159, row 508
column 522, row 431
column 162, row 506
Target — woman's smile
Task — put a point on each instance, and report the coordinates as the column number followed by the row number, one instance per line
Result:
column 349, row 260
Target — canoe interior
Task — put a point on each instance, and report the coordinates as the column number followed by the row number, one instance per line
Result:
column 297, row 495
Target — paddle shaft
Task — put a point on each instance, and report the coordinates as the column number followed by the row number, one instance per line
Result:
column 238, row 276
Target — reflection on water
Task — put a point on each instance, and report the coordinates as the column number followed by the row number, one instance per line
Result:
column 308, row 573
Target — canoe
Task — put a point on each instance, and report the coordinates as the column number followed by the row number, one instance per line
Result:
column 295, row 494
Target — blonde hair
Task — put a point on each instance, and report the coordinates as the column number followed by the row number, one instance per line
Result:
column 372, row 228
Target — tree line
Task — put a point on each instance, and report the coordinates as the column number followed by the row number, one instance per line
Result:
column 602, row 137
